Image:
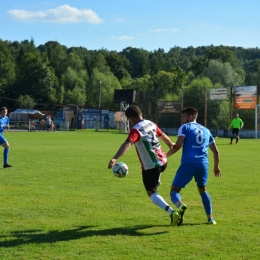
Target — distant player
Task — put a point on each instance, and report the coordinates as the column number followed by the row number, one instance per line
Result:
column 4, row 123
column 195, row 140
column 236, row 125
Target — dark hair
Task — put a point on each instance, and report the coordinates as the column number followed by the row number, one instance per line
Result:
column 3, row 108
column 190, row 111
column 133, row 111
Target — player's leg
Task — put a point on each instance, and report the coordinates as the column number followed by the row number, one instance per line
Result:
column 183, row 176
column 237, row 136
column 232, row 136
column 201, row 178
column 151, row 181
column 6, row 146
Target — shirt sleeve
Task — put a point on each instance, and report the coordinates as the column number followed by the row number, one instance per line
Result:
column 158, row 131
column 211, row 139
column 133, row 136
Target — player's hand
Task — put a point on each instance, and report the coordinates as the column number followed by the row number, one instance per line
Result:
column 217, row 171
column 173, row 146
column 111, row 163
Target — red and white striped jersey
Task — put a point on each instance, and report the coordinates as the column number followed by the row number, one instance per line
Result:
column 144, row 135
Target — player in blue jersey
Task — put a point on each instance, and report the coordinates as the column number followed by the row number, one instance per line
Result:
column 4, row 123
column 195, row 140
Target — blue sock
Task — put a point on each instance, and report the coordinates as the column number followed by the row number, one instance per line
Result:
column 6, row 150
column 175, row 197
column 206, row 203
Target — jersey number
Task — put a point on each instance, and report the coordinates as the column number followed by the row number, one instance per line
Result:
column 199, row 136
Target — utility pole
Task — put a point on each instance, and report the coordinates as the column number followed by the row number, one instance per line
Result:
column 206, row 107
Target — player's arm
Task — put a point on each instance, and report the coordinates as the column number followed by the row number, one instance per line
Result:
column 165, row 138
column 241, row 124
column 231, row 125
column 215, row 152
column 121, row 151
column 176, row 147
column 7, row 124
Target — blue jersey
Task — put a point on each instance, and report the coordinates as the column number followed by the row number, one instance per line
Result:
column 196, row 143
column 4, row 121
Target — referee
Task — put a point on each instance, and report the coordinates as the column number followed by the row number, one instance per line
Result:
column 236, row 125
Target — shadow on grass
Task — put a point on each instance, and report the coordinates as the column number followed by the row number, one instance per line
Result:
column 37, row 236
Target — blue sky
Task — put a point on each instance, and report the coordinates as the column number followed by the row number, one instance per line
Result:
column 118, row 24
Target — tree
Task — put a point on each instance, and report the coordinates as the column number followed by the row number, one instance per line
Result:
column 25, row 101
column 107, row 83
column 7, row 68
column 164, row 83
column 118, row 64
column 75, row 62
column 139, row 60
column 220, row 54
column 74, row 84
column 57, row 57
column 222, row 73
column 75, row 96
column 197, row 95
column 194, row 95
column 35, row 77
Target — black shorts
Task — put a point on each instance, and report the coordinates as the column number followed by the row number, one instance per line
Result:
column 235, row 131
column 151, row 178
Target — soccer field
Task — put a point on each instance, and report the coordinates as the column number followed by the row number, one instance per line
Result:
column 59, row 201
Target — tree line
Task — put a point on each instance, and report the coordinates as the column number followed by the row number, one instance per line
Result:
column 51, row 74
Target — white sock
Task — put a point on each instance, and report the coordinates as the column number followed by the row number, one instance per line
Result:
column 160, row 202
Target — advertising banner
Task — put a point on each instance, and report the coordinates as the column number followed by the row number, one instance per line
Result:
column 169, row 107
column 245, row 97
column 218, row 94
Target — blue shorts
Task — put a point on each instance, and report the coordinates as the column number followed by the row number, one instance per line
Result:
column 186, row 172
column 2, row 140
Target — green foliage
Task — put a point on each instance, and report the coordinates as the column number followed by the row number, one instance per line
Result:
column 104, row 82
column 195, row 95
column 25, row 102
column 35, row 77
column 7, row 67
column 53, row 73
column 59, row 201
column 222, row 73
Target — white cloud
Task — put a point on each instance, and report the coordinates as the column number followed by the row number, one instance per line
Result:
column 165, row 30
column 61, row 14
column 123, row 38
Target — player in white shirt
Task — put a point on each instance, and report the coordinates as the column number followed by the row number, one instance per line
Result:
column 145, row 135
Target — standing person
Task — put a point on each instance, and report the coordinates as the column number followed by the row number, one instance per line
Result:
column 48, row 122
column 195, row 140
column 144, row 135
column 236, row 125
column 4, row 123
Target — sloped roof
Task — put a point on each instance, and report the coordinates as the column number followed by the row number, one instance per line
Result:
column 27, row 111
column 25, row 114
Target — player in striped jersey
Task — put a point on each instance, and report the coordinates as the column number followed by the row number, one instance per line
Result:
column 145, row 135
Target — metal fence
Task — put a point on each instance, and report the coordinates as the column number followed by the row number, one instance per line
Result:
column 36, row 125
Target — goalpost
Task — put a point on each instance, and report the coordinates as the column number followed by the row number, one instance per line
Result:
column 257, row 120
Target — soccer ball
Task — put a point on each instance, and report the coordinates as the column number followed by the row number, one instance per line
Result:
column 120, row 169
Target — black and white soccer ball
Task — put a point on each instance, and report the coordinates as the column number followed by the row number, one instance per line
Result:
column 120, row 170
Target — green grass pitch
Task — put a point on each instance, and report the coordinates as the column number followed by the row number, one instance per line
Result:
column 59, row 201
